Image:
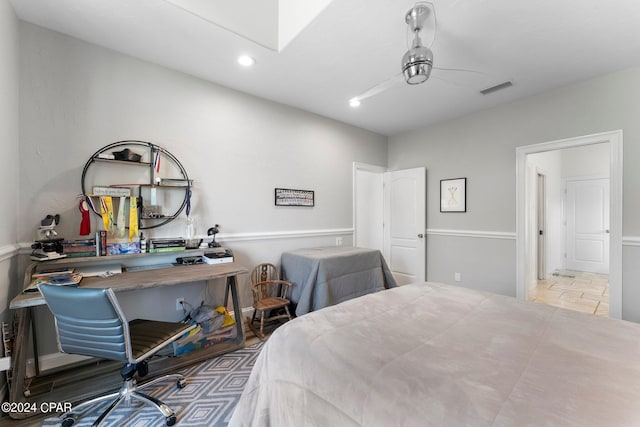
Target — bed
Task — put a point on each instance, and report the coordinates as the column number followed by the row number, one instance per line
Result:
column 431, row 354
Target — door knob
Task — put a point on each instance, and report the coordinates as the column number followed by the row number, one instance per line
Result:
column 420, row 236
column 606, row 231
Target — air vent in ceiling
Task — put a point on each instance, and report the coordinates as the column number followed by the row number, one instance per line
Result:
column 496, row 88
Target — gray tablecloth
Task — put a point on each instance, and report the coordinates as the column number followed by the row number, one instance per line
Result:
column 326, row 276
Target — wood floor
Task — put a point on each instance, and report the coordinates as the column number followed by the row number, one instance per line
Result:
column 574, row 290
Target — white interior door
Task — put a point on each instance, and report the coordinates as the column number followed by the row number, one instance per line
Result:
column 405, row 224
column 588, row 225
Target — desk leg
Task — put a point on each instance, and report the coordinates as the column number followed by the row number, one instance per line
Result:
column 20, row 348
column 237, row 310
column 34, row 337
column 226, row 292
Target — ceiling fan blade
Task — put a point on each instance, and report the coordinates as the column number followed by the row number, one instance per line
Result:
column 380, row 87
column 453, row 83
column 461, row 77
column 461, row 70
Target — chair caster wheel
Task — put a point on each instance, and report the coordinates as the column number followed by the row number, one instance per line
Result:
column 68, row 421
column 181, row 383
column 171, row 420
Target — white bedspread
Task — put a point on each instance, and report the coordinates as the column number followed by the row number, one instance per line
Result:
column 438, row 355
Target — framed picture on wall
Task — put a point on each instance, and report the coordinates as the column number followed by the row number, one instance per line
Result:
column 453, row 195
column 290, row 197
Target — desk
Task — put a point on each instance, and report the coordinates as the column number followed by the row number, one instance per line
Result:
column 326, row 276
column 20, row 391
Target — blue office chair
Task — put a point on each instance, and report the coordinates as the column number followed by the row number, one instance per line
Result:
column 90, row 322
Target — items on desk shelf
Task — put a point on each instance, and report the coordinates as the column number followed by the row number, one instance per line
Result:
column 166, row 245
column 79, row 248
column 47, row 250
column 52, row 272
column 190, row 260
column 62, row 279
column 143, row 244
column 101, row 243
column 47, row 226
column 48, row 246
column 218, row 257
column 122, row 246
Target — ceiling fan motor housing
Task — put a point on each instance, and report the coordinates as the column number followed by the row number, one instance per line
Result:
column 416, row 64
column 417, row 61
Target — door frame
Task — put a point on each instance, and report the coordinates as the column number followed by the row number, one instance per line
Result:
column 615, row 140
column 357, row 166
column 541, row 225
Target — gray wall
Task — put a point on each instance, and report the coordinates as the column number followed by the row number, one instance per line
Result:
column 8, row 156
column 8, row 145
column 482, row 147
column 76, row 97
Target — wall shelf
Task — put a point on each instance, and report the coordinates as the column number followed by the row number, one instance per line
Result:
column 161, row 166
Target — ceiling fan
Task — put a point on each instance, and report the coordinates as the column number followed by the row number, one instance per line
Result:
column 417, row 62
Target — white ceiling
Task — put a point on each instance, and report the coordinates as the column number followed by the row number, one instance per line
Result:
column 352, row 45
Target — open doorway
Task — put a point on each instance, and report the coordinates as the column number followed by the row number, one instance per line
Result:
column 571, row 168
column 571, row 257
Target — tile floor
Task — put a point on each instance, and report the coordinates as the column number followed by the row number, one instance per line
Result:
column 585, row 292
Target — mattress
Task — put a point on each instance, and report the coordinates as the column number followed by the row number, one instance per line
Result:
column 431, row 354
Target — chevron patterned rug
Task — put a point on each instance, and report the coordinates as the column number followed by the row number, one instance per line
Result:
column 212, row 391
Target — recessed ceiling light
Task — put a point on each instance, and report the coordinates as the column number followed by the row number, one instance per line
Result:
column 354, row 102
column 246, row 61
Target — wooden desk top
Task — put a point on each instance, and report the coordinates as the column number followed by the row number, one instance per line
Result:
column 142, row 279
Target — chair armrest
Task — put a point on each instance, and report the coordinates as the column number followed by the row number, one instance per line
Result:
column 258, row 285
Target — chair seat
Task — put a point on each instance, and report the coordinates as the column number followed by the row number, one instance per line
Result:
column 270, row 303
column 147, row 335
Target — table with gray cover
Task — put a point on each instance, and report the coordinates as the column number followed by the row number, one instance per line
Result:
column 329, row 275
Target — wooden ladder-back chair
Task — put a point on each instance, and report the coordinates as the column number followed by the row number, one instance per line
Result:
column 269, row 294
